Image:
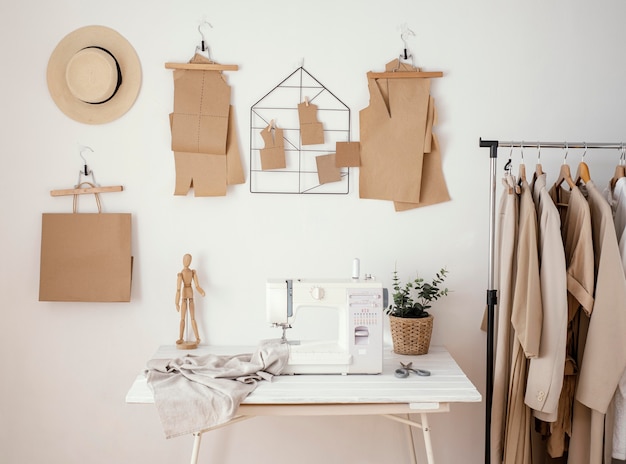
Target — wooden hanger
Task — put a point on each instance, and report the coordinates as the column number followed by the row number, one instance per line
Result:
column 203, row 51
column 538, row 166
column 92, row 188
column 522, row 172
column 582, row 173
column 84, row 190
column 203, row 66
column 620, row 169
column 565, row 176
column 404, row 74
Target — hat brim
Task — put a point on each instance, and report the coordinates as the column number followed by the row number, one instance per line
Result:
column 130, row 67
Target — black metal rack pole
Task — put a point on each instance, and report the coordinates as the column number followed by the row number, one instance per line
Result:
column 492, row 296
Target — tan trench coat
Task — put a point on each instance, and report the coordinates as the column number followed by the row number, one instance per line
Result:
column 604, row 358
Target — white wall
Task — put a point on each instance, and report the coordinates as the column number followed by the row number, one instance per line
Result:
column 543, row 70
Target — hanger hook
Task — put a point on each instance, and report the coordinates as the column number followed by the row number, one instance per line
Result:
column 521, row 146
column 403, row 35
column 566, row 153
column 507, row 166
column 203, row 23
column 585, row 152
column 538, row 152
column 82, row 149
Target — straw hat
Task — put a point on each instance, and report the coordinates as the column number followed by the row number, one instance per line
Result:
column 94, row 75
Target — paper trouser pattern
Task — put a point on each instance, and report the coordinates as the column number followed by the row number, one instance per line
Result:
column 204, row 133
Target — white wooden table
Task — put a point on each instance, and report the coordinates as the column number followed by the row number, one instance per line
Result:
column 337, row 395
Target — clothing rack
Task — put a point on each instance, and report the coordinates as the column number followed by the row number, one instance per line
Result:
column 492, row 294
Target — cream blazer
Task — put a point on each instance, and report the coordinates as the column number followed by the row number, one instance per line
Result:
column 545, row 372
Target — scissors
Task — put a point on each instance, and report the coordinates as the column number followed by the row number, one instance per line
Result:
column 406, row 369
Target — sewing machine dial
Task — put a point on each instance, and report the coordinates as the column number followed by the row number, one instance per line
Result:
column 317, row 293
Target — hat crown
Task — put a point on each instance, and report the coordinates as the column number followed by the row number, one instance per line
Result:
column 92, row 75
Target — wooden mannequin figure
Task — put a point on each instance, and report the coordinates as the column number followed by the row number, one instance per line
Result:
column 184, row 298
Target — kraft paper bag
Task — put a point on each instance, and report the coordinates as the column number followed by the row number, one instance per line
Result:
column 392, row 132
column 85, row 257
column 201, row 110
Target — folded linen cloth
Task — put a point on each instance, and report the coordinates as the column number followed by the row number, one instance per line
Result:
column 194, row 393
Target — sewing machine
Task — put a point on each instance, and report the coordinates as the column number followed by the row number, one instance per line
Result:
column 335, row 326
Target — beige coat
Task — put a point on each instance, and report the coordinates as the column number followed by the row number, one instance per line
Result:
column 506, row 246
column 526, row 318
column 578, row 247
column 545, row 372
column 604, row 358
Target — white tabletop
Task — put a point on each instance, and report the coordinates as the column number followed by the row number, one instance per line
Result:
column 446, row 384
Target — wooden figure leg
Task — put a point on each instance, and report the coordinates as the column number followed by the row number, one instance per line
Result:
column 183, row 319
column 192, row 314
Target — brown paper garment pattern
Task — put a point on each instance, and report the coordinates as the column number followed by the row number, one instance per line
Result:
column 311, row 130
column 327, row 170
column 210, row 174
column 201, row 107
column 434, row 189
column 273, row 153
column 392, row 130
column 348, row 154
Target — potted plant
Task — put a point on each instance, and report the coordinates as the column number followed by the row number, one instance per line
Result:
column 411, row 324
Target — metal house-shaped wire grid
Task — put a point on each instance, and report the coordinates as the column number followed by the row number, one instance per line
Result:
column 281, row 104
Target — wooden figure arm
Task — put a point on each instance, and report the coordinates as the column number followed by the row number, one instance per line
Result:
column 178, row 285
column 195, row 281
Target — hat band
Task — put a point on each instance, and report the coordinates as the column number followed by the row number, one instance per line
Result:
column 119, row 76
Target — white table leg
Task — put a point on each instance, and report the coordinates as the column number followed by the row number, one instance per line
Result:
column 409, row 430
column 430, row 457
column 197, row 438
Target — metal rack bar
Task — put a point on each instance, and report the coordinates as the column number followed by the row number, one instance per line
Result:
column 562, row 145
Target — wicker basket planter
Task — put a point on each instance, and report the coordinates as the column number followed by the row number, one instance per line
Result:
column 411, row 335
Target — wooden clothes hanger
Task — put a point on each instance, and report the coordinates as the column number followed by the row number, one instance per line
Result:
column 565, row 174
column 582, row 173
column 413, row 72
column 620, row 169
column 204, row 51
column 93, row 187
